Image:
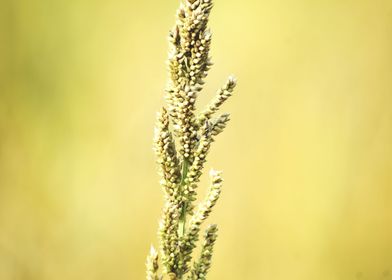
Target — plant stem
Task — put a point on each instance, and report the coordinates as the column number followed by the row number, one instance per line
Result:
column 182, row 222
column 183, row 214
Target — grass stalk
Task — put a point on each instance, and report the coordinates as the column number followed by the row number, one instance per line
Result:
column 182, row 141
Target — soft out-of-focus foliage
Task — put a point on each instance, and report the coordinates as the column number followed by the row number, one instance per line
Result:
column 307, row 156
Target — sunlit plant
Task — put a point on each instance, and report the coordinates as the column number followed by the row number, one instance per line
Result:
column 182, row 141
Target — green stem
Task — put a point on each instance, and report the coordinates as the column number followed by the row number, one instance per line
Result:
column 183, row 214
column 182, row 221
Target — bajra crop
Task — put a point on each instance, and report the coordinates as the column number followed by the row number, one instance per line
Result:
column 182, row 141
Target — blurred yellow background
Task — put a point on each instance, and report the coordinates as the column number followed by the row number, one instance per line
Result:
column 307, row 157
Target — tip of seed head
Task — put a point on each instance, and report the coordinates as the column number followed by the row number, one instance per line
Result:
column 232, row 79
column 153, row 252
column 215, row 173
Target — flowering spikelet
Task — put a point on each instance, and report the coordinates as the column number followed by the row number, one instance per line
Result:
column 202, row 266
column 188, row 63
column 168, row 235
column 205, row 207
column 200, row 154
column 221, row 96
column 219, row 124
column 166, row 155
column 152, row 265
column 189, row 241
column 182, row 141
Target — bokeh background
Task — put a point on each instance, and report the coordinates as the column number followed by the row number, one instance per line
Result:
column 307, row 157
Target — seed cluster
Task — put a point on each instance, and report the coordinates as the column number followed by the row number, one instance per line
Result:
column 202, row 266
column 152, row 265
column 221, row 96
column 182, row 141
column 168, row 161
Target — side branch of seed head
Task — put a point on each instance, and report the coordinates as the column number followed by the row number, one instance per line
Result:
column 152, row 265
column 182, row 141
column 203, row 264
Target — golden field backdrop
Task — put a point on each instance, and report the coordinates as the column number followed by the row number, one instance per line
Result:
column 307, row 157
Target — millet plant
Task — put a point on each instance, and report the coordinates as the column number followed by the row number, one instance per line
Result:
column 182, row 141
